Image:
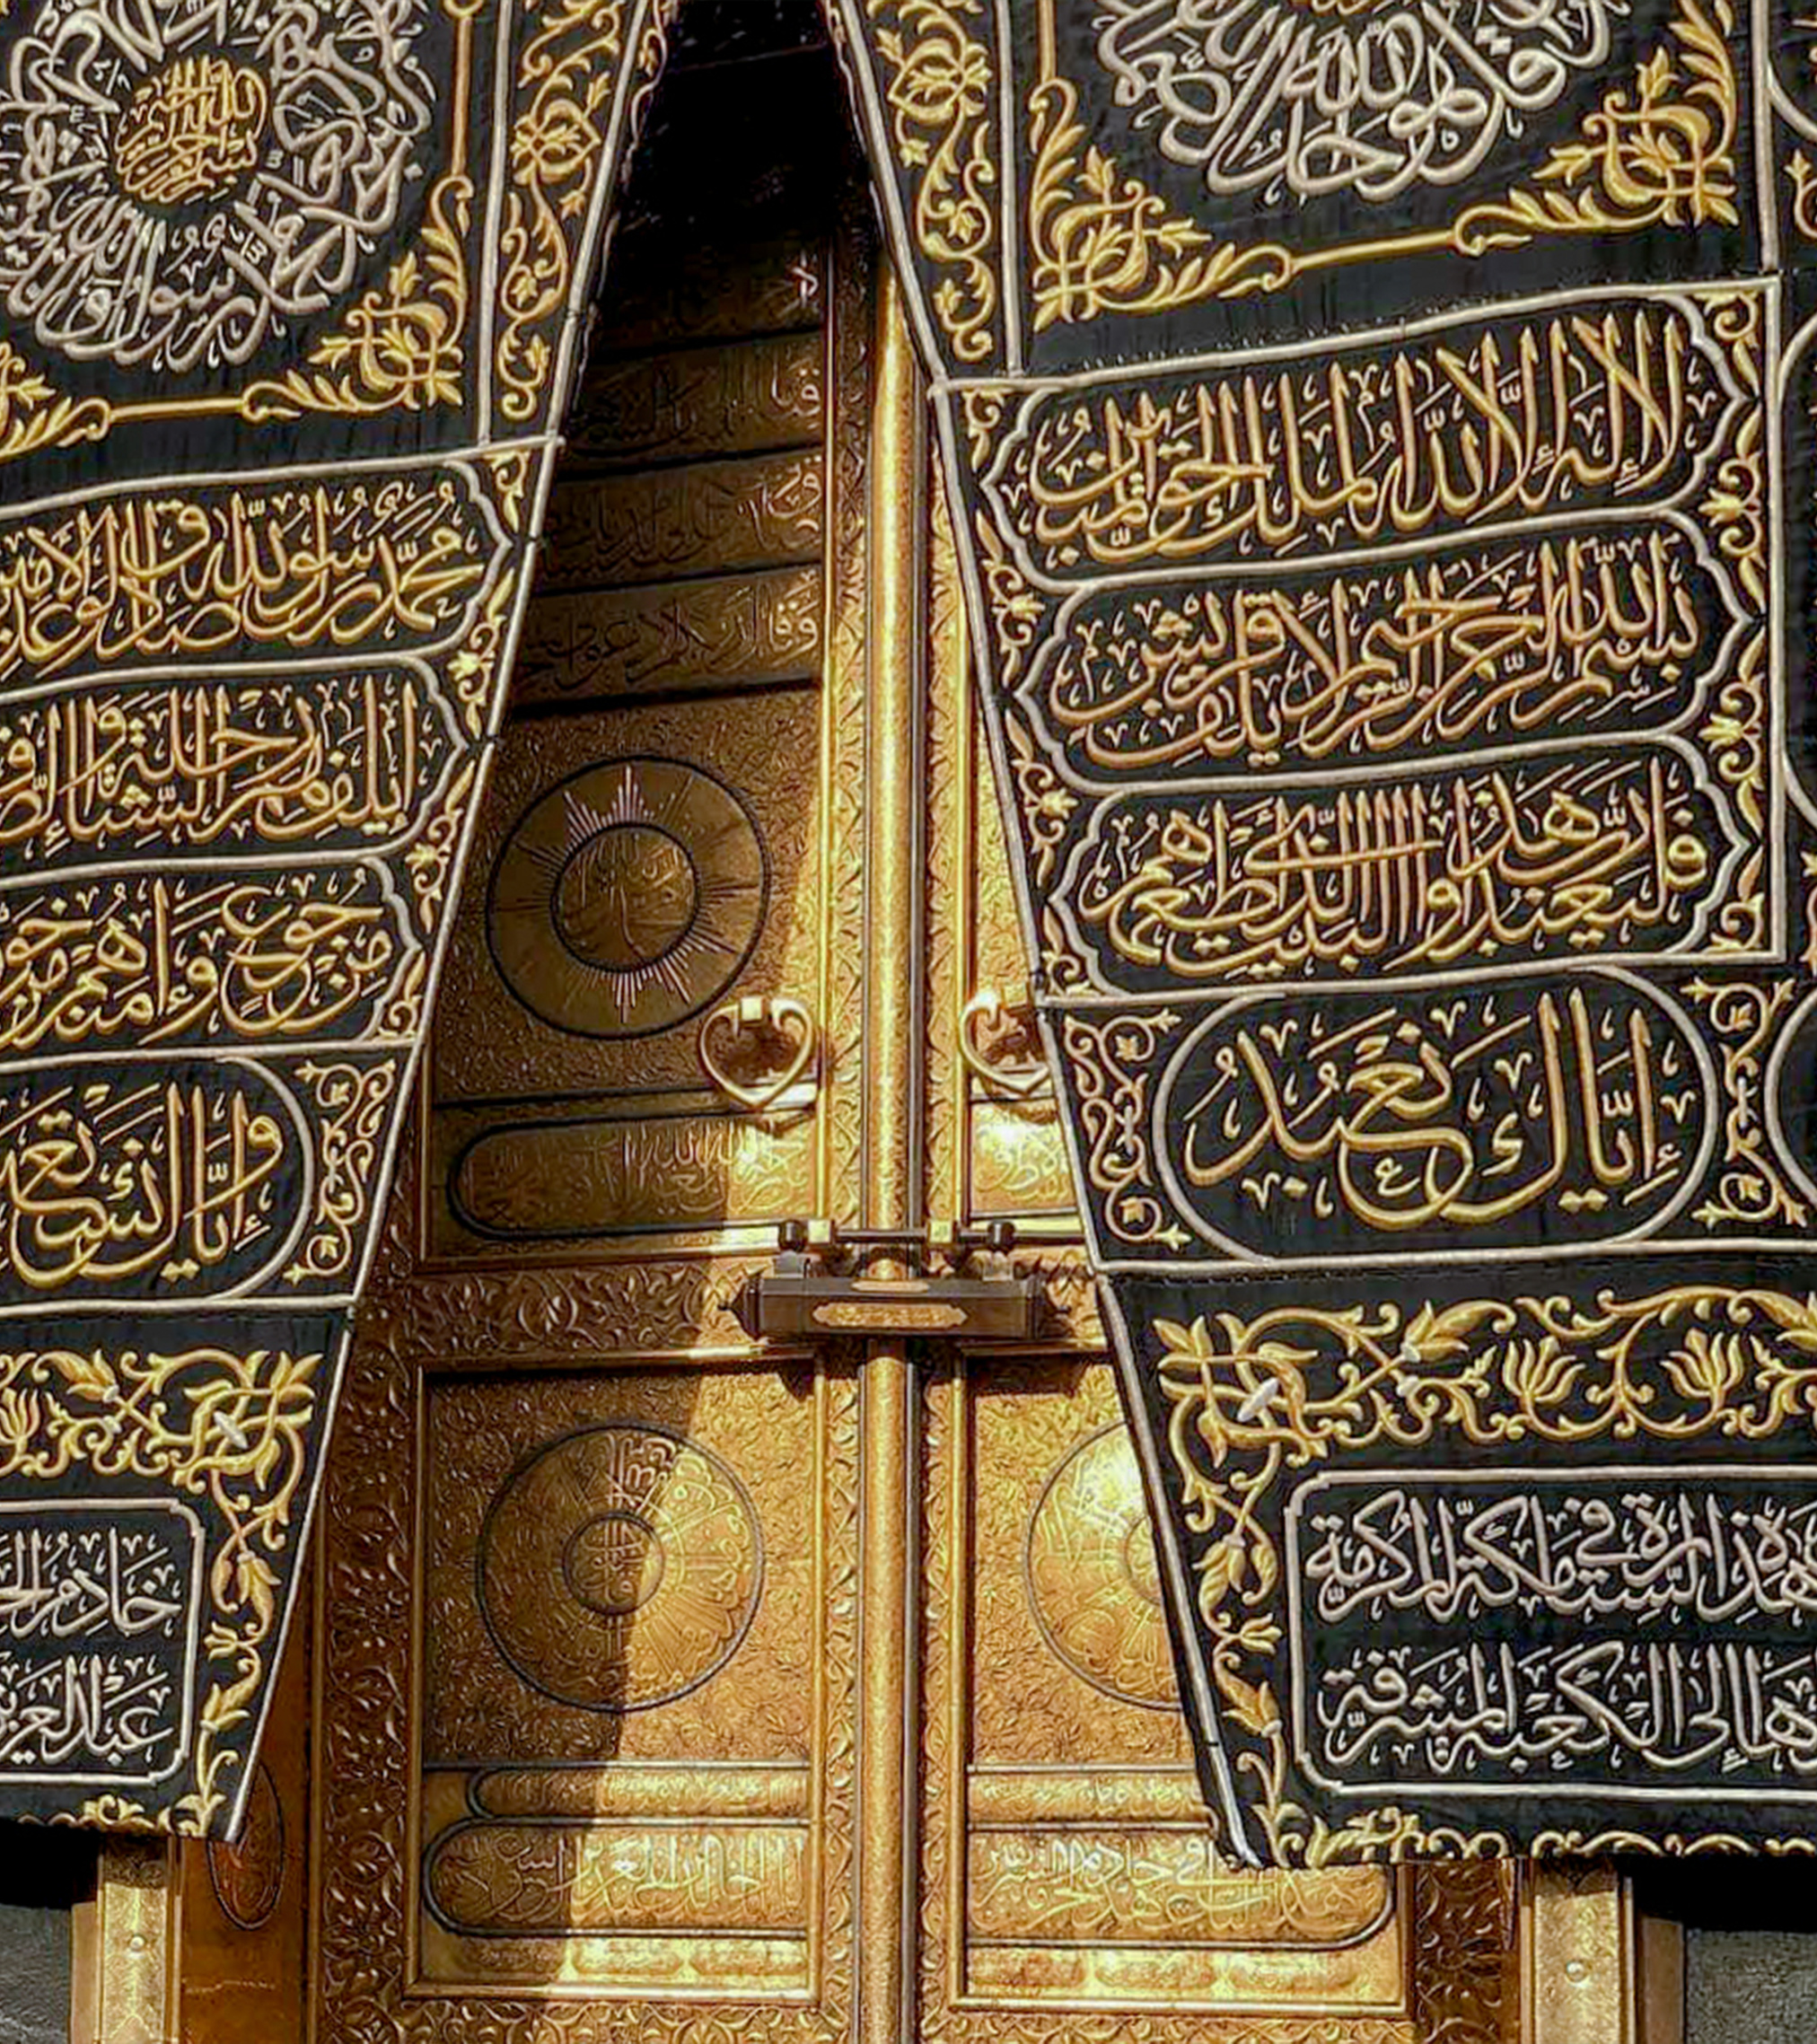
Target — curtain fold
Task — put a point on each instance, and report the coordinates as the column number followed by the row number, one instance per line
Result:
column 290, row 293
column 1379, row 440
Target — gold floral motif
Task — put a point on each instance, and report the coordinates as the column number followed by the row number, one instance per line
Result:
column 400, row 347
column 569, row 72
column 1736, row 504
column 432, row 857
column 402, row 1015
column 1059, row 960
column 1736, row 730
column 1111, row 1065
column 512, row 469
column 1750, row 1188
column 983, row 411
column 201, row 1423
column 1046, row 802
column 1103, row 243
column 1015, row 610
column 1659, row 154
column 852, row 352
column 354, row 1102
column 1807, row 865
column 474, row 669
column 1250, row 1400
column 1465, row 1920
column 1803, row 177
column 939, row 96
column 672, row 1307
column 32, row 415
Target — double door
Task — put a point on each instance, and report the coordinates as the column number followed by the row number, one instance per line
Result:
column 654, row 1685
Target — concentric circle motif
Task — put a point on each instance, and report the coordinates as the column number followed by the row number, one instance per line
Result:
column 248, row 1876
column 180, row 185
column 628, row 898
column 1092, row 1579
column 620, row 1567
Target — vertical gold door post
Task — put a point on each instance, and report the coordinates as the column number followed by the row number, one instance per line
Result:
column 1592, row 1970
column 122, row 1984
column 893, row 1176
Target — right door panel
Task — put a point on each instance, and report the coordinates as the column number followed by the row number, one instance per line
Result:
column 1071, row 1884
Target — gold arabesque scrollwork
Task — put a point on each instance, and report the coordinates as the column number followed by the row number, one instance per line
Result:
column 567, row 74
column 1111, row 1065
column 1103, row 243
column 33, row 415
column 401, row 347
column 939, row 95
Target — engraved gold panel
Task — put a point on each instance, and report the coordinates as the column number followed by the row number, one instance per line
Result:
column 720, row 811
column 1089, row 1565
column 741, row 397
column 627, row 899
column 996, row 1146
column 669, row 849
column 669, row 287
column 243, row 1909
column 618, row 1612
column 725, row 630
column 1069, row 1864
column 644, row 864
column 706, row 518
column 620, row 1567
column 557, row 1177
column 624, row 1579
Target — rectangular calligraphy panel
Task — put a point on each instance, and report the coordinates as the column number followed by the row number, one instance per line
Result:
column 99, row 1609
column 1470, row 1634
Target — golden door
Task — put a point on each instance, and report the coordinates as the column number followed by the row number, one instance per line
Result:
column 654, row 1687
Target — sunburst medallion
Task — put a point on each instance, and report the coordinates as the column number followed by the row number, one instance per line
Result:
column 629, row 898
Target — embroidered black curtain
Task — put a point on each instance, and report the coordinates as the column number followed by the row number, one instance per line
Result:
column 1381, row 442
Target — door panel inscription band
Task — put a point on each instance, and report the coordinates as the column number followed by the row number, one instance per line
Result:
column 1385, row 535
column 287, row 298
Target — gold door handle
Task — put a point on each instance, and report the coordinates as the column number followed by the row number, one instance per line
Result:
column 987, row 1024
column 773, row 1043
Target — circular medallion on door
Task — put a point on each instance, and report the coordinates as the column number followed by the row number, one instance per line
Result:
column 629, row 898
column 620, row 1567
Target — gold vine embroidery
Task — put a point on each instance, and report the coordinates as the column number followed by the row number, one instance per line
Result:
column 1103, row 243
column 1111, row 1065
column 32, row 415
column 568, row 69
column 1750, row 1188
column 939, row 99
column 400, row 347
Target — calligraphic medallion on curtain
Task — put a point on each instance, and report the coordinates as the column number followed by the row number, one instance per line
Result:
column 1380, row 443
